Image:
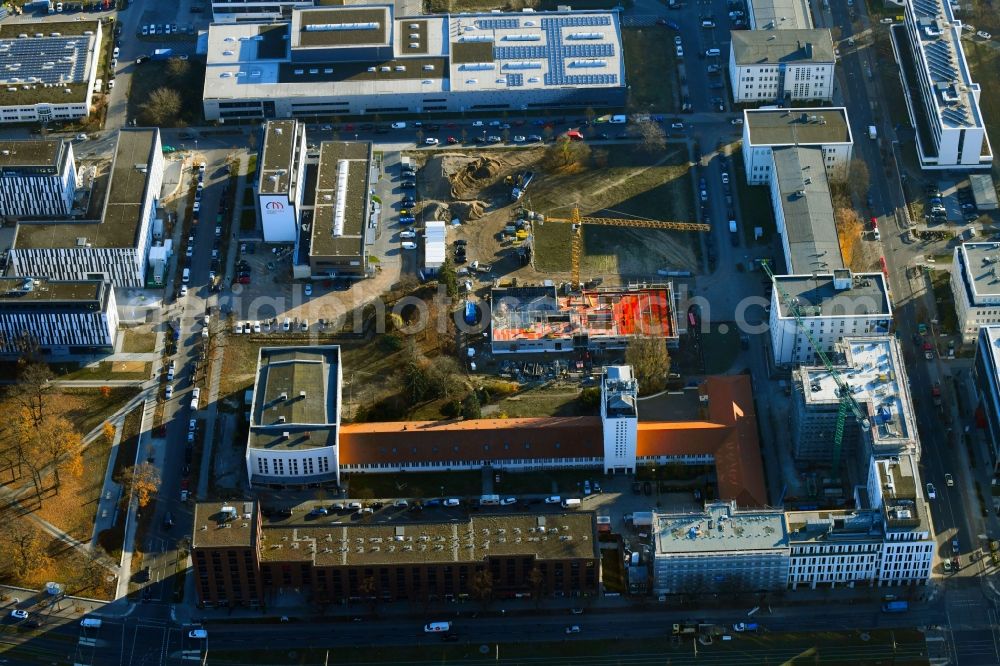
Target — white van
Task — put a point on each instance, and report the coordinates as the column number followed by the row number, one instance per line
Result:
column 186, row 276
column 195, row 394
column 91, row 623
column 437, row 627
column 570, row 503
column 618, row 120
column 489, row 500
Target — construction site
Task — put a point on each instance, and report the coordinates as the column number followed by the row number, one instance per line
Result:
column 517, row 214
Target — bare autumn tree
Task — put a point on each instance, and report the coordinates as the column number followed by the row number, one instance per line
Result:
column 858, row 178
column 566, row 154
column 650, row 363
column 536, row 579
column 177, row 68
column 654, row 139
column 143, row 481
column 34, row 384
column 162, row 107
column 59, row 446
column 481, row 585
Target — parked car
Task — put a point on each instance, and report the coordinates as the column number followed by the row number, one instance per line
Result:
column 451, row 501
column 409, row 245
column 553, row 499
column 931, row 492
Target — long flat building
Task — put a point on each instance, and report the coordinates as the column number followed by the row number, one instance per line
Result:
column 365, row 61
column 48, row 70
column 37, row 178
column 114, row 247
column 50, row 317
column 975, row 285
column 986, row 377
column 941, row 97
column 800, row 193
column 780, row 15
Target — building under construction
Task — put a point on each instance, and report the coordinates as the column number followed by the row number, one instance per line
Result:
column 537, row 319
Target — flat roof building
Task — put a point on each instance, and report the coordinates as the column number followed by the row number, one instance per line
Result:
column 800, row 193
column 720, row 550
column 780, row 65
column 37, row 178
column 342, row 211
column 116, row 245
column 535, row 319
column 295, row 417
column 55, row 318
column 365, row 61
column 766, row 129
column 779, row 15
column 832, row 306
column 315, row 546
column 48, row 70
column 941, row 97
column 873, row 367
column 975, row 285
column 986, row 379
column 281, row 179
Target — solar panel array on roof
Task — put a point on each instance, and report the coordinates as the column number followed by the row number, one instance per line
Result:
column 576, row 21
column 497, row 24
column 515, row 80
column 519, row 52
column 43, row 59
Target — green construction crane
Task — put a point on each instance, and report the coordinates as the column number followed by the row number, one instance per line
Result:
column 847, row 401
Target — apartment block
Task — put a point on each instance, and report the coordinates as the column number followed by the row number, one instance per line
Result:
column 832, row 306
column 247, row 556
column 52, row 317
column 768, row 66
column 895, row 489
column 825, row 128
column 114, row 247
column 975, row 285
column 38, row 86
column 839, row 548
column 37, row 178
column 941, row 97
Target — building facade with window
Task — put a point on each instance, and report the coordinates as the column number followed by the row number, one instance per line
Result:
column 116, row 246
column 57, row 318
column 768, row 66
column 830, row 306
column 364, row 60
column 826, row 128
column 246, row 557
column 976, row 287
column 37, row 178
column 986, row 378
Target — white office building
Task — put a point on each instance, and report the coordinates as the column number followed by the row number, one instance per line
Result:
column 113, row 248
column 832, row 306
column 49, row 70
column 836, row 548
column 281, row 179
column 873, row 367
column 766, row 129
column 779, row 15
column 56, row 318
column 975, row 285
column 986, row 378
column 232, row 11
column 37, row 178
column 941, row 97
column 767, row 66
column 362, row 60
column 295, row 417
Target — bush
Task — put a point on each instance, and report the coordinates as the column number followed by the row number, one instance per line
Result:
column 451, row 409
column 390, row 342
column 590, row 398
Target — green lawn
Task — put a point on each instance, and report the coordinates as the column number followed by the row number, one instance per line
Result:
column 755, row 204
column 985, row 65
column 138, row 342
column 947, row 319
column 543, row 403
column 545, row 482
column 103, row 370
column 415, row 484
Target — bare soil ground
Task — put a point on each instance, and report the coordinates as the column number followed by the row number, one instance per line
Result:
column 624, row 183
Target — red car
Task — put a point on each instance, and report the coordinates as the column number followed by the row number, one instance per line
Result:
column 451, row 140
column 245, row 279
column 874, row 224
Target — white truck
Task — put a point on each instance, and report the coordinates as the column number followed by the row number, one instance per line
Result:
column 872, row 132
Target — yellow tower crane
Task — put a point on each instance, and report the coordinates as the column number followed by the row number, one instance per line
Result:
column 578, row 221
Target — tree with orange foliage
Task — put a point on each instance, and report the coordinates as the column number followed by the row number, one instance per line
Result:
column 143, row 481
column 105, row 392
column 109, row 431
column 849, row 229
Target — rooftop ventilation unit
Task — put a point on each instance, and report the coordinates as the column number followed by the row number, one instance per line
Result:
column 334, row 27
